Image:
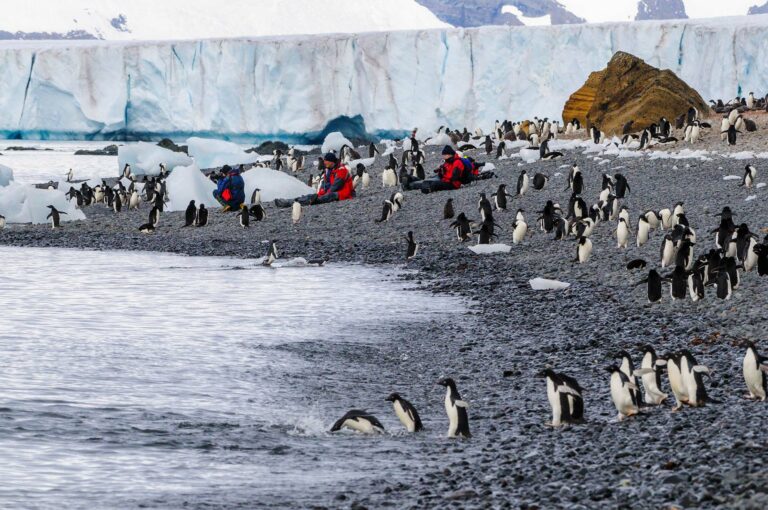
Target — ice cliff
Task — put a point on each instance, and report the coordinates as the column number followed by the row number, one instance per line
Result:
column 267, row 87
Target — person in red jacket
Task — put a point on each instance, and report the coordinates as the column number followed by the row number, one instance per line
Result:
column 336, row 185
column 449, row 175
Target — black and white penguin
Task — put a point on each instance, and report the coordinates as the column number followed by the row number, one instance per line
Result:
column 636, row 264
column 256, row 211
column 750, row 174
column 117, row 203
column 731, row 134
column 463, row 228
column 519, row 228
column 622, row 186
column 201, row 218
column 244, row 217
column 190, row 214
column 522, row 183
column 295, row 212
column 621, row 393
column 651, row 377
column 484, row 207
column 564, row 398
column 755, row 369
column 413, row 246
column 359, row 421
column 539, row 181
column 406, row 413
column 500, row 197
column 627, row 366
column 583, row 250
column 448, row 211
column 55, row 216
column 692, row 376
column 256, row 197
column 2, row 222
column 654, row 282
column 458, row 420
column 622, row 234
column 387, row 211
column 271, row 255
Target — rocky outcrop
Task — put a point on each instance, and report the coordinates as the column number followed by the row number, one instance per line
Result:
column 759, row 9
column 630, row 90
column 475, row 13
column 660, row 9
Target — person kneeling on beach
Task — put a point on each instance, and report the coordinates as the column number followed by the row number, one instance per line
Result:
column 336, row 185
column 450, row 175
column 230, row 191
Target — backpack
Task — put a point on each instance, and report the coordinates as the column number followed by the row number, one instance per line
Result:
column 470, row 170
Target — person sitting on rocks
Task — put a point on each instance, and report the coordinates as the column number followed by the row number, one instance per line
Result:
column 336, row 185
column 450, row 175
column 230, row 191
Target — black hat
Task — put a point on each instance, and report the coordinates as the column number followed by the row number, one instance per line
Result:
column 331, row 157
column 448, row 151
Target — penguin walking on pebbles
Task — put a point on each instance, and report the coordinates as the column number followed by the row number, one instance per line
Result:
column 622, row 234
column 500, row 197
column 190, row 214
column 448, row 212
column 413, row 246
column 522, row 183
column 651, row 377
column 201, row 219
column 654, row 285
column 359, row 421
column 564, row 396
column 456, row 409
column 692, row 376
column 622, row 393
column 296, row 212
column 244, row 217
column 463, row 228
column 55, row 217
column 406, row 413
column 583, row 250
column 755, row 369
column 750, row 174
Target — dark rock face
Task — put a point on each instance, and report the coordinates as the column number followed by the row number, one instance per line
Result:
column 474, row 13
column 759, row 9
column 109, row 150
column 166, row 143
column 660, row 9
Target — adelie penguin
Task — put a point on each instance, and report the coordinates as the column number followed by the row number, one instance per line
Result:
column 622, row 390
column 519, row 228
column 448, row 212
column 412, row 247
column 406, row 413
column 565, row 398
column 500, row 197
column 201, row 218
column 651, row 376
column 271, row 255
column 190, row 214
column 463, row 228
column 244, row 217
column 750, row 174
column 256, row 212
column 54, row 216
column 359, row 421
column 583, row 250
column 484, row 208
column 654, row 286
column 692, row 377
column 522, row 183
column 540, row 181
column 755, row 369
column 295, row 212
column 456, row 409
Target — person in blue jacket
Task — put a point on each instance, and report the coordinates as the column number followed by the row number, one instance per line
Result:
column 231, row 191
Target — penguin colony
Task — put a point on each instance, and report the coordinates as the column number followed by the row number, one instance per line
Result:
column 735, row 248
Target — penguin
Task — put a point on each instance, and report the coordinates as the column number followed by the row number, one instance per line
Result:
column 520, row 228
column 654, row 282
column 117, row 203
column 627, row 367
column 190, row 214
column 750, row 174
column 622, row 186
column 755, row 368
column 723, row 285
column 695, row 285
column 500, row 197
column 296, row 212
column 127, row 171
column 636, row 264
column 70, row 175
column 622, row 234
column 2, row 222
column 256, row 197
column 621, row 393
column 564, row 398
column 486, row 234
column 651, row 377
column 500, row 149
column 257, row 212
column 413, row 246
column 463, row 228
column 456, row 409
column 561, row 228
column 271, row 255
column 406, row 413
column 540, row 181
column 522, row 183
column 571, row 175
column 147, row 228
column 545, row 154
column 201, row 219
column 389, row 177
column 359, row 421
column 388, row 209
column 244, row 217
column 691, row 373
column 55, row 216
column 668, row 251
column 583, row 250
column 484, row 207
column 761, row 250
column 676, row 384
column 448, row 211
column 643, row 230
column 685, row 255
column 731, row 134
column 679, row 283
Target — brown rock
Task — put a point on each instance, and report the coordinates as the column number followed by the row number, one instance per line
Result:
column 631, row 90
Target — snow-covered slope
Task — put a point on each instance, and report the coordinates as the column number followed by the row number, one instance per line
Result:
column 625, row 10
column 200, row 19
column 393, row 81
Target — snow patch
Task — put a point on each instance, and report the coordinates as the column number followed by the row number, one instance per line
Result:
column 488, row 249
column 544, row 284
column 273, row 184
column 188, row 183
column 732, row 178
column 210, row 153
column 27, row 204
column 334, row 142
column 537, row 21
column 145, row 158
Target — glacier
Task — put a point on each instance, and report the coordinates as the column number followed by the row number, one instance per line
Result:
column 292, row 88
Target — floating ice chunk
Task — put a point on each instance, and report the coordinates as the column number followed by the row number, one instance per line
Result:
column 27, row 204
column 487, row 249
column 334, row 142
column 760, row 185
column 544, row 284
column 210, row 153
column 188, row 183
column 273, row 184
column 145, row 158
column 732, row 178
column 6, row 175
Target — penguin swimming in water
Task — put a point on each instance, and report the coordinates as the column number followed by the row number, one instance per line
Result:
column 201, row 219
column 406, row 413
column 500, row 197
column 456, row 410
column 651, row 376
column 755, row 368
column 359, row 421
column 190, row 213
column 621, row 393
column 413, row 246
column 448, row 211
column 55, row 216
column 271, row 255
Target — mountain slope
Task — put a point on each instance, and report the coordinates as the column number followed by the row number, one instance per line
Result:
column 473, row 13
column 660, row 9
column 200, row 19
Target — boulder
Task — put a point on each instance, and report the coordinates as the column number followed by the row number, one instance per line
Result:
column 631, row 90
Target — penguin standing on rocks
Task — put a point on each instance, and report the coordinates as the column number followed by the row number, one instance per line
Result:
column 622, row 186
column 190, row 213
column 359, row 421
column 201, row 219
column 296, row 212
column 522, row 183
column 622, row 393
column 692, row 375
column 55, row 217
column 583, row 250
column 500, row 197
column 413, row 246
column 406, row 413
column 676, row 384
column 755, row 373
column 519, row 228
column 448, row 212
column 651, row 377
column 540, row 181
column 484, row 207
column 565, row 399
column 622, row 233
column 750, row 174
column 643, row 230
column 463, row 228
column 654, row 282
column 456, row 410
column 256, row 211
column 244, row 217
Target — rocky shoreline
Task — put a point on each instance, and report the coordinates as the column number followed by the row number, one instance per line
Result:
column 710, row 457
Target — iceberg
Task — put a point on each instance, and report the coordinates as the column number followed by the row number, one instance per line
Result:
column 393, row 81
column 188, row 183
column 6, row 175
column 26, row 204
column 273, row 184
column 210, row 153
column 334, row 142
column 145, row 158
